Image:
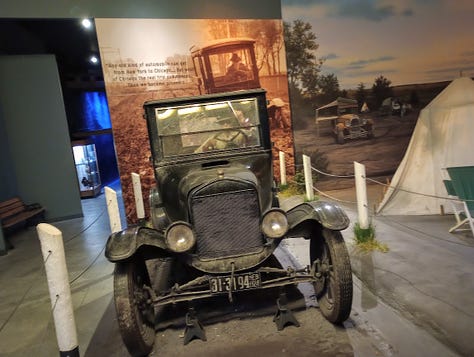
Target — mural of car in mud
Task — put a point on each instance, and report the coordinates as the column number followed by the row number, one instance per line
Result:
column 225, row 65
column 345, row 123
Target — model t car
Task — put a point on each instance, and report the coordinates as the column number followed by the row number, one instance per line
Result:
column 345, row 122
column 226, row 65
column 216, row 221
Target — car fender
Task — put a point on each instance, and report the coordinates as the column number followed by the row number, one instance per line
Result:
column 124, row 244
column 303, row 218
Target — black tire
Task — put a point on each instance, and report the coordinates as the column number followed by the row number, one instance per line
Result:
column 334, row 289
column 134, row 314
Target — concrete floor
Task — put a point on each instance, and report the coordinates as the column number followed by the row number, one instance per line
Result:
column 427, row 277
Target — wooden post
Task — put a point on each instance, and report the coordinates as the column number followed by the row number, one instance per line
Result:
column 308, row 178
column 137, row 192
column 282, row 168
column 361, row 193
column 52, row 248
column 113, row 210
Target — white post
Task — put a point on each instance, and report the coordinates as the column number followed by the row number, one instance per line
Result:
column 282, row 168
column 308, row 178
column 361, row 193
column 113, row 210
column 52, row 248
column 137, row 192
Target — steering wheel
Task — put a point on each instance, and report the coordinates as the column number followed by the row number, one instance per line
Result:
column 228, row 140
column 232, row 139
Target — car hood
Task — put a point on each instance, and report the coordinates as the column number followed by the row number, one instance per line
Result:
column 197, row 178
column 176, row 182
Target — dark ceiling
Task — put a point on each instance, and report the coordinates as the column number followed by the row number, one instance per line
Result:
column 65, row 38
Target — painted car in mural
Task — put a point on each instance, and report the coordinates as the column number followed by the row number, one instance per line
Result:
column 346, row 124
column 225, row 65
column 216, row 222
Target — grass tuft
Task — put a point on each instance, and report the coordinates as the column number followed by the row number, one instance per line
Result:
column 365, row 239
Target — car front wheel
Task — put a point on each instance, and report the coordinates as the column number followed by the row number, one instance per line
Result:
column 334, row 285
column 135, row 312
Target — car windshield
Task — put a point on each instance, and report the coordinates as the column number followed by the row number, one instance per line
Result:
column 197, row 128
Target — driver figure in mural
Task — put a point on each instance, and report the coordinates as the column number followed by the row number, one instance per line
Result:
column 237, row 71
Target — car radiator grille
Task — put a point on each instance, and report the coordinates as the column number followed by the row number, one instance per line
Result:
column 227, row 223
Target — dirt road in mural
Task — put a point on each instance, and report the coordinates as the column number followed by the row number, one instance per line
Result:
column 381, row 155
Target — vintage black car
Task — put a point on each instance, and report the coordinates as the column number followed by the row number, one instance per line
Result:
column 345, row 122
column 216, row 221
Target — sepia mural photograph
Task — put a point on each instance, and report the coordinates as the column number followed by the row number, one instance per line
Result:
column 147, row 59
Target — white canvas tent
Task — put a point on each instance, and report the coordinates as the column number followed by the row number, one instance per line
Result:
column 443, row 137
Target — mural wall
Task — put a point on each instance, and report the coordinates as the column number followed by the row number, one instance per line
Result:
column 145, row 59
column 385, row 61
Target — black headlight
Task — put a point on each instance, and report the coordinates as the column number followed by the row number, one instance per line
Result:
column 275, row 223
column 180, row 237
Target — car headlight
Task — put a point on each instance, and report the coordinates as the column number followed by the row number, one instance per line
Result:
column 275, row 223
column 348, row 123
column 180, row 237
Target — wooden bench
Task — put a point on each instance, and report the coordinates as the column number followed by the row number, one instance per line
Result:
column 14, row 211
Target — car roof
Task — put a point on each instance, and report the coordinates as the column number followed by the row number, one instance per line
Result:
column 222, row 43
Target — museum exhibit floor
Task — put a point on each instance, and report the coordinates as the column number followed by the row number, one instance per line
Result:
column 427, row 276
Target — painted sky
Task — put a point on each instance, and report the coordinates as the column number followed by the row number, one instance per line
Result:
column 407, row 41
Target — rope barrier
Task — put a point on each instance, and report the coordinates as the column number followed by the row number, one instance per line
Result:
column 88, row 267
column 392, row 187
column 40, row 271
column 332, row 197
column 86, row 228
column 331, row 175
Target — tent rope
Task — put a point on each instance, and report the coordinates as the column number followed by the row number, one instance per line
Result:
column 417, row 193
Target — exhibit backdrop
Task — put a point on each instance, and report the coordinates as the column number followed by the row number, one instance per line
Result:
column 387, row 61
column 146, row 59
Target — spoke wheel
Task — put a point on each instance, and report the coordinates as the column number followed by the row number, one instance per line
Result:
column 334, row 288
column 135, row 312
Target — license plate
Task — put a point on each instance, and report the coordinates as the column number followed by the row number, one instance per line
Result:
column 221, row 284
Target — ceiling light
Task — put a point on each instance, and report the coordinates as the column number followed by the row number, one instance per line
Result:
column 86, row 23
column 93, row 59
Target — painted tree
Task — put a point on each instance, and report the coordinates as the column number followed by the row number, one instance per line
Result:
column 328, row 88
column 269, row 44
column 303, row 65
column 361, row 95
column 381, row 90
